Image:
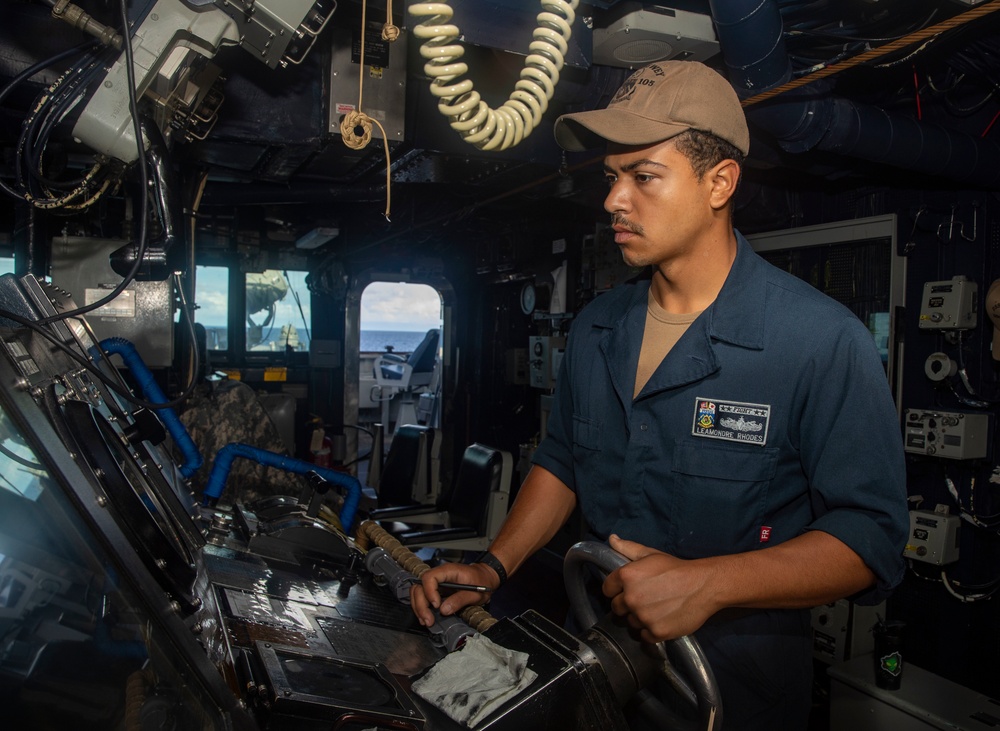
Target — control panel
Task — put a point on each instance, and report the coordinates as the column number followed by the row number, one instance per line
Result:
column 933, row 537
column 952, row 435
column 949, row 305
column 544, row 357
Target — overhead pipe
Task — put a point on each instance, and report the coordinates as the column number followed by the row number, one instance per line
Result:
column 227, row 455
column 152, row 392
column 164, row 255
column 750, row 37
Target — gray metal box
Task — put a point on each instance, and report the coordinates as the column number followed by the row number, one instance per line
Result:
column 142, row 314
column 384, row 86
column 924, row 701
column 948, row 434
column 933, row 537
column 544, row 357
column 949, row 305
column 842, row 630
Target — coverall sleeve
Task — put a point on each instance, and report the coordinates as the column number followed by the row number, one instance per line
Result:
column 852, row 453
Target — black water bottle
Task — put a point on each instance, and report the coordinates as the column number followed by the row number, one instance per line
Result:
column 888, row 657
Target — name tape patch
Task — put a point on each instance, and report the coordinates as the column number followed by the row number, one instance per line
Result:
column 733, row 421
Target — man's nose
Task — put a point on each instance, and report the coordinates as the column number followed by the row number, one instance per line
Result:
column 616, row 200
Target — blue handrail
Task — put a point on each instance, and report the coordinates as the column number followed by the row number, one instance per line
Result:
column 227, row 455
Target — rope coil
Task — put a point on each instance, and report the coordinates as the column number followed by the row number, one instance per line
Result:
column 357, row 119
column 471, row 117
column 369, row 533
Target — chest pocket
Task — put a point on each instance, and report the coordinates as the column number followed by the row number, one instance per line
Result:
column 720, row 497
column 586, row 434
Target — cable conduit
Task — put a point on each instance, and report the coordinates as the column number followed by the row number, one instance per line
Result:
column 152, row 392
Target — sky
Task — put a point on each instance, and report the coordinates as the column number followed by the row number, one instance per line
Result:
column 400, row 306
column 384, row 305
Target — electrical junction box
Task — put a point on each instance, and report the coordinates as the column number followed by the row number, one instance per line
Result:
column 843, row 629
column 952, row 435
column 933, row 537
column 949, row 305
column 383, row 80
column 544, row 357
column 142, row 314
column 516, row 366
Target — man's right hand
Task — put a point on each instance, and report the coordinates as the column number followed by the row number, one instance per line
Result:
column 425, row 597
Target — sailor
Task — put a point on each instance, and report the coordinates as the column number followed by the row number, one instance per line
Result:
column 721, row 423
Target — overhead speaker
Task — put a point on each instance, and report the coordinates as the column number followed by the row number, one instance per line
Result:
column 638, row 36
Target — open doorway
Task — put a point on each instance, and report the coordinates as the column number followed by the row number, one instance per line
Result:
column 400, row 334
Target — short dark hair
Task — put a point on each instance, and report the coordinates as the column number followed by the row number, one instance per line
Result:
column 704, row 150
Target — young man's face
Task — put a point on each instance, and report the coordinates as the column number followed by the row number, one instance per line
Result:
column 659, row 207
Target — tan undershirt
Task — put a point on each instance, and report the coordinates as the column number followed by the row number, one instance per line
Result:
column 662, row 332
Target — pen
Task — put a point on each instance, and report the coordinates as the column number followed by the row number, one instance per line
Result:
column 461, row 587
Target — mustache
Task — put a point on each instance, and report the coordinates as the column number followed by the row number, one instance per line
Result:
column 619, row 220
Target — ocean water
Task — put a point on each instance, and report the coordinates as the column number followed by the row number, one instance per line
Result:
column 402, row 341
column 372, row 341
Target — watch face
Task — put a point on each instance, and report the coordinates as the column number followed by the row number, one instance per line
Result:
column 528, row 298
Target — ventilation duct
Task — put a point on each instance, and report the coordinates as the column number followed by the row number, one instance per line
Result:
column 750, row 36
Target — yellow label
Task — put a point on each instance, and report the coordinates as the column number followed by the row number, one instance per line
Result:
column 275, row 374
column 234, row 374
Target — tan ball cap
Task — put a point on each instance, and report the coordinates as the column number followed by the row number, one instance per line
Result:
column 657, row 102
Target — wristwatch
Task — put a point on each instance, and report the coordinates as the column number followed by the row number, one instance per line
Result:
column 493, row 562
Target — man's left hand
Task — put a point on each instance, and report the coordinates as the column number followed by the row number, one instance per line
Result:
column 662, row 596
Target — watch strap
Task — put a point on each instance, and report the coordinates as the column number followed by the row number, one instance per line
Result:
column 494, row 563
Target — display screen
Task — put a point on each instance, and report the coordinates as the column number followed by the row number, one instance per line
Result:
column 76, row 643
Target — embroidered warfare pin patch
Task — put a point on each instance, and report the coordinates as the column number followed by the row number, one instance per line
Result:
column 733, row 421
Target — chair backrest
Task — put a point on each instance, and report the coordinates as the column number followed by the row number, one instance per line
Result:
column 479, row 474
column 389, row 367
column 423, row 356
column 408, row 466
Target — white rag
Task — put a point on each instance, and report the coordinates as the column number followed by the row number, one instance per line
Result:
column 473, row 682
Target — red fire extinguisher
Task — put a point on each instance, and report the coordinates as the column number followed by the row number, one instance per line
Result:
column 321, row 448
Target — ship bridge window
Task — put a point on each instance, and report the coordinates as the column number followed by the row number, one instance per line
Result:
column 395, row 316
column 400, row 326
column 212, row 297
column 278, row 311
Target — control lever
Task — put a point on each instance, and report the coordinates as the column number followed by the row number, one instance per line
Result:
column 318, row 487
column 349, row 575
column 451, row 631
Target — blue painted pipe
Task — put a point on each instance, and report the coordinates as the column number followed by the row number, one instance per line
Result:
column 152, row 392
column 227, row 455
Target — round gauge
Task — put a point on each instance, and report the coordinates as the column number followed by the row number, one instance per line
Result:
column 529, row 298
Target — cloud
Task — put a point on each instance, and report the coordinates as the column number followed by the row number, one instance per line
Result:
column 400, row 306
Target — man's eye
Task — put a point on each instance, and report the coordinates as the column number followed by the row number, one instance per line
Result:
column 610, row 180
column 643, row 178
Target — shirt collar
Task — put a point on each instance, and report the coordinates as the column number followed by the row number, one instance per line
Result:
column 736, row 316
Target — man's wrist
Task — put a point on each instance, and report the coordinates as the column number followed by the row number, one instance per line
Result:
column 488, row 559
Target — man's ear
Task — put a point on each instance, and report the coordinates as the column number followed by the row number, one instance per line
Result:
column 723, row 178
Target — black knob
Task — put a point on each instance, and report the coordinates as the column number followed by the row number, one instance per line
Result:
column 146, row 426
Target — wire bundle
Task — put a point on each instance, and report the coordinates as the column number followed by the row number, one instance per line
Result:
column 32, row 182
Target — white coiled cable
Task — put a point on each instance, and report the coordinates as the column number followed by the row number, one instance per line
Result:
column 471, row 117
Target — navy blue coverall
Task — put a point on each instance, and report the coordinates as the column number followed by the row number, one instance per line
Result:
column 771, row 416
